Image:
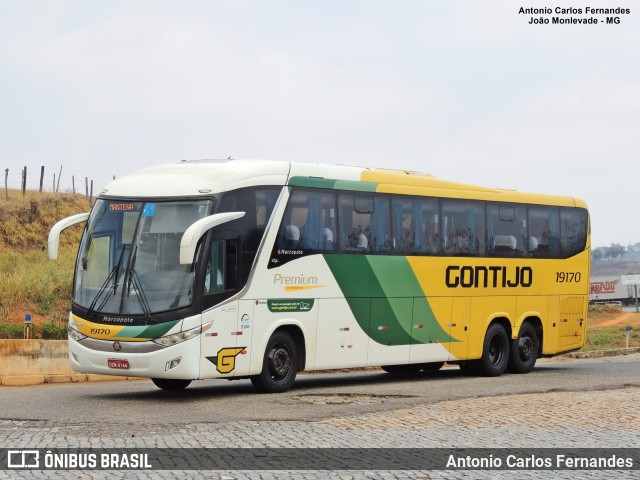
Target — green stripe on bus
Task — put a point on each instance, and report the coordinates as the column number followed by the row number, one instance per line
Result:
column 386, row 299
column 355, row 186
column 328, row 183
column 146, row 331
column 313, row 182
column 157, row 331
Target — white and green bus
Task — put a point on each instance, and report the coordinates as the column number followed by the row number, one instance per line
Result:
column 260, row 269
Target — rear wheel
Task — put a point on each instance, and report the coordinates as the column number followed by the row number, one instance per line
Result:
column 495, row 352
column 524, row 350
column 171, row 384
column 279, row 365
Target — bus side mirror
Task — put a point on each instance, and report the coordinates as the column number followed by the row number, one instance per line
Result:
column 196, row 230
column 54, row 233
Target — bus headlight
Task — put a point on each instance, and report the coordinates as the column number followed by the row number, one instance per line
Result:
column 75, row 334
column 180, row 337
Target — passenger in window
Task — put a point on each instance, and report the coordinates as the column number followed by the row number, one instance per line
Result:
column 533, row 246
column 363, row 242
column 327, row 238
column 292, row 234
column 407, row 244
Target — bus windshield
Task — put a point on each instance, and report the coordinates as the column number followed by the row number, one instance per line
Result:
column 128, row 262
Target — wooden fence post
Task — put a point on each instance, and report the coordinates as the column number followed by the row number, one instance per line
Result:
column 73, row 184
column 41, row 177
column 59, row 176
column 91, row 194
column 86, row 186
column 6, row 184
column 24, row 180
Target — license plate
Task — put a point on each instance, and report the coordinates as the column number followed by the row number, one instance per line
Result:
column 117, row 363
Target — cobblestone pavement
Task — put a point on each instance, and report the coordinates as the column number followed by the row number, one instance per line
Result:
column 609, row 418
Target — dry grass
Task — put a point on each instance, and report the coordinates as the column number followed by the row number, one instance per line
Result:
column 29, row 281
column 25, row 220
column 597, row 312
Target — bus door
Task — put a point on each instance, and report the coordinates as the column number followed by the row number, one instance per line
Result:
column 224, row 343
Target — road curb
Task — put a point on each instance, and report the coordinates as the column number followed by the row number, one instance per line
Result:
column 602, row 353
column 24, row 380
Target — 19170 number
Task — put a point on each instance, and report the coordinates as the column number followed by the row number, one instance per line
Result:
column 568, row 277
column 100, row 331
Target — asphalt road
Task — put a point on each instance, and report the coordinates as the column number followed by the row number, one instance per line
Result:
column 314, row 396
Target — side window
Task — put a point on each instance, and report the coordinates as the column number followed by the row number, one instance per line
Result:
column 463, row 227
column 258, row 204
column 507, row 230
column 544, row 232
column 214, row 280
column 415, row 226
column 221, row 276
column 381, row 225
column 356, row 212
column 573, row 230
column 309, row 222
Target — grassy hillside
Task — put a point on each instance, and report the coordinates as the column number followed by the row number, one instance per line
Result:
column 29, row 281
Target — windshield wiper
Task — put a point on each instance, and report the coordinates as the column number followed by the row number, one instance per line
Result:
column 112, row 274
column 133, row 278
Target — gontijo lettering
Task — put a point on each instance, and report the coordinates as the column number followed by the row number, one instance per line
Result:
column 485, row 277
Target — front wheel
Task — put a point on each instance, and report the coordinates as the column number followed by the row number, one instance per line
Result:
column 279, row 365
column 495, row 352
column 524, row 350
column 170, row 384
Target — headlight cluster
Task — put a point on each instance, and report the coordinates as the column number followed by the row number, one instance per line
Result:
column 179, row 337
column 75, row 334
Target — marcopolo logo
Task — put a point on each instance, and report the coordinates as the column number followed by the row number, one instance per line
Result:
column 485, row 277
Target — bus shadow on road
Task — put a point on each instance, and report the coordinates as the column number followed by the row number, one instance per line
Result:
column 217, row 389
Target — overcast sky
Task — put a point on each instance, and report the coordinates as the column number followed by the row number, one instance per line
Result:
column 465, row 90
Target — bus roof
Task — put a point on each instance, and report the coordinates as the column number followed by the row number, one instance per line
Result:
column 203, row 177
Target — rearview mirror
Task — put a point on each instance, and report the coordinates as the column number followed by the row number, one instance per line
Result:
column 195, row 232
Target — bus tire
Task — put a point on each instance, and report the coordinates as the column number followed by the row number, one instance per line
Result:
column 171, row 384
column 495, row 352
column 410, row 369
column 279, row 365
column 524, row 350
